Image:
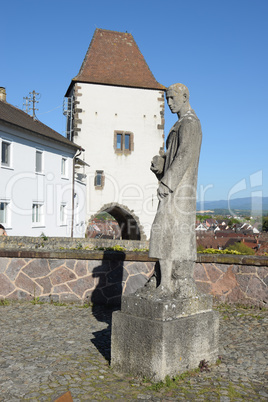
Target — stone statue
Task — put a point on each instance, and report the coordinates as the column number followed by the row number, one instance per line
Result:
column 173, row 239
column 168, row 327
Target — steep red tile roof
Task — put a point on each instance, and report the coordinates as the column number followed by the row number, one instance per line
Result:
column 113, row 58
column 11, row 115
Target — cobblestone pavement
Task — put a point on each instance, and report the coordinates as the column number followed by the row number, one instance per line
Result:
column 46, row 350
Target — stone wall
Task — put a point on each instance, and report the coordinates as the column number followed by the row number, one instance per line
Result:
column 233, row 279
column 102, row 277
column 60, row 243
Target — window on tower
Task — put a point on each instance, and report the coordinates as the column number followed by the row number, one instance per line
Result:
column 123, row 142
column 99, row 179
column 119, row 144
column 127, row 142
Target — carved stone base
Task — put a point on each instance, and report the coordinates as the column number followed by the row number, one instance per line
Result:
column 165, row 337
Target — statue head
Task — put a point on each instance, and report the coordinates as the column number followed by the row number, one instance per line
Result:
column 177, row 97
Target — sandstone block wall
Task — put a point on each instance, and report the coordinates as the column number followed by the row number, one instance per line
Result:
column 102, row 277
column 99, row 281
column 233, row 283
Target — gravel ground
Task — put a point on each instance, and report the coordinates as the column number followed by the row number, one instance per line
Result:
column 46, row 350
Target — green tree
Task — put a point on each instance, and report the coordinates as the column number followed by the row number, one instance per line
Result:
column 202, row 218
column 232, row 221
column 241, row 248
column 265, row 224
column 219, row 217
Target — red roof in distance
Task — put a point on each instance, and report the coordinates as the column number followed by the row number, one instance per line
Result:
column 113, row 58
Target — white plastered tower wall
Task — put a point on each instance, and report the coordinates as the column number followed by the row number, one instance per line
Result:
column 101, row 111
column 115, row 96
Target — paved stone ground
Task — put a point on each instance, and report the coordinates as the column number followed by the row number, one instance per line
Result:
column 46, row 350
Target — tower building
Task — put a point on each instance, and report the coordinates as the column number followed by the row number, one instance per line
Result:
column 116, row 113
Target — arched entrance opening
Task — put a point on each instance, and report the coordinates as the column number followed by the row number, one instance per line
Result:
column 128, row 224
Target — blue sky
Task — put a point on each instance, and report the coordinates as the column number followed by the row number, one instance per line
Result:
column 217, row 48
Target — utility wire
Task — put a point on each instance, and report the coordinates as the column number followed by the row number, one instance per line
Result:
column 50, row 110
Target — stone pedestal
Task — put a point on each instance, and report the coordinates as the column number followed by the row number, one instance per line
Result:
column 158, row 337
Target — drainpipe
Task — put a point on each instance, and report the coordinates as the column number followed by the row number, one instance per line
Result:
column 73, row 193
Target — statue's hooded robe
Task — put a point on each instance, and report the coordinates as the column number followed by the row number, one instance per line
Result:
column 173, row 231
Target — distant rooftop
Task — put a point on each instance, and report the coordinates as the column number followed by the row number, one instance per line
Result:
column 13, row 116
column 113, row 58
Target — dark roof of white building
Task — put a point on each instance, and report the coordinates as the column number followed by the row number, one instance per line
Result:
column 16, row 117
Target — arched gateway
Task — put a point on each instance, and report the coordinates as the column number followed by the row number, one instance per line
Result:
column 128, row 222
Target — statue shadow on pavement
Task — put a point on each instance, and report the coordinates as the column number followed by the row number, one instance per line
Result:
column 106, row 297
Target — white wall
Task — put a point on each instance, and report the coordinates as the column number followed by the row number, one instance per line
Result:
column 21, row 186
column 128, row 179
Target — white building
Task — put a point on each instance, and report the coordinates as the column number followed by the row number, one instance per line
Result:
column 38, row 190
column 202, row 227
column 117, row 115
